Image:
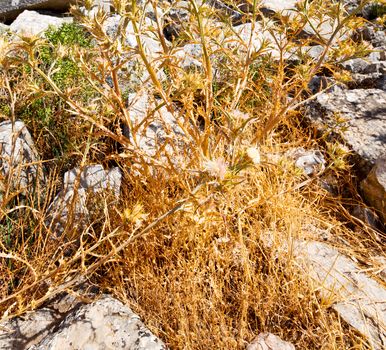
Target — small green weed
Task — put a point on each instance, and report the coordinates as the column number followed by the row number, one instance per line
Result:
column 69, row 34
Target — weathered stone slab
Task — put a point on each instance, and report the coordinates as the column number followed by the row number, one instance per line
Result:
column 70, row 324
column 357, row 298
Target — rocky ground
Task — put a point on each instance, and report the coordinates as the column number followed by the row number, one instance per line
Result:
column 351, row 114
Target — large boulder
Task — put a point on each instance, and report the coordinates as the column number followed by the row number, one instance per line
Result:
column 357, row 298
column 67, row 323
column 356, row 117
column 9, row 9
column 33, row 23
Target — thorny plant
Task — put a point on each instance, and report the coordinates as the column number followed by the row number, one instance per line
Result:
column 198, row 204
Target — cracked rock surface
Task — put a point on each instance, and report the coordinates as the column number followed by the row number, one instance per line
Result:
column 102, row 325
column 19, row 160
column 358, row 299
column 363, row 113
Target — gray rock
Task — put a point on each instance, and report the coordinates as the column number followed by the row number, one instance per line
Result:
column 157, row 129
column 175, row 19
column 311, row 162
column 364, row 113
column 134, row 73
column 278, row 6
column 71, row 201
column 149, row 41
column 270, row 35
column 33, row 23
column 269, row 8
column 358, row 299
column 258, row 35
column 190, row 57
column 352, row 5
column 367, row 10
column 319, row 83
column 98, row 4
column 380, row 261
column 94, row 178
column 9, row 9
column 367, row 72
column 23, row 332
column 368, row 81
column 322, row 29
column 313, row 51
column 105, row 5
column 356, row 65
column 20, row 333
column 316, row 28
column 71, row 324
column 67, row 208
column 374, row 187
column 374, row 34
column 377, row 55
column 19, row 160
column 235, row 14
column 225, row 10
column 269, row 341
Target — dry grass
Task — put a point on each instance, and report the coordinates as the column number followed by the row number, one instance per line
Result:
column 200, row 246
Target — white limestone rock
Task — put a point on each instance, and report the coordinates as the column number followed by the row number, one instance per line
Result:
column 256, row 35
column 19, row 160
column 3, row 28
column 31, row 23
column 278, row 6
column 78, row 185
column 156, row 128
column 9, row 9
column 364, row 113
column 103, row 324
column 134, row 72
column 190, row 57
column 269, row 341
column 357, row 298
column 311, row 162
